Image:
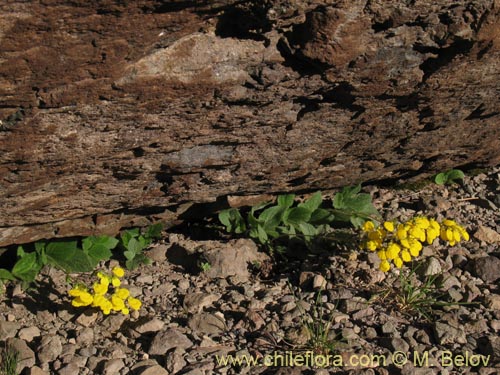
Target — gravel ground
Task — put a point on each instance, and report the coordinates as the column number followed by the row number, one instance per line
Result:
column 190, row 319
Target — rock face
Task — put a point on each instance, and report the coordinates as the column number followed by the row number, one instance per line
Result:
column 117, row 114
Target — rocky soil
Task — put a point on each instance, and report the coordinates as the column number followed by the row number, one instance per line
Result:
column 247, row 304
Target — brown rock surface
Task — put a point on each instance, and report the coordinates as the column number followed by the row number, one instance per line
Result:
column 120, row 113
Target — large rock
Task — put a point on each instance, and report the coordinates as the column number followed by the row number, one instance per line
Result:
column 131, row 112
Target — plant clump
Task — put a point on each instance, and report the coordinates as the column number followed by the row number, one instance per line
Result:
column 106, row 293
column 398, row 243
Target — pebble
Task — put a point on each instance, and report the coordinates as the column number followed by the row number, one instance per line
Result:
column 26, row 355
column 168, row 339
column 49, row 349
column 149, row 325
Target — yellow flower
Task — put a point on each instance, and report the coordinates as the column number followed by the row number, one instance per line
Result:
column 117, row 302
column 368, row 226
column 122, row 293
column 100, row 288
column 83, row 299
column 405, row 256
column 382, row 254
column 115, row 281
column 398, row 262
column 371, row 245
column 134, row 303
column 389, row 226
column 385, row 266
column 125, row 311
column 118, row 271
column 392, row 251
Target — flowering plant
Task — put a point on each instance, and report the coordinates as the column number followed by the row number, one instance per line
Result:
column 398, row 243
column 106, row 293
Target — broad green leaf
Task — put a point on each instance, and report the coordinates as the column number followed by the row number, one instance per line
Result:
column 99, row 252
column 297, row 215
column 6, row 275
column 321, row 216
column 307, row 230
column 440, row 179
column 357, row 221
column 271, row 217
column 285, row 201
column 154, row 231
column 232, row 220
column 313, row 202
column 455, row 174
column 20, row 251
column 129, row 255
column 134, row 246
column 39, row 246
column 128, row 235
column 105, row 241
column 262, row 234
column 67, row 256
column 25, row 264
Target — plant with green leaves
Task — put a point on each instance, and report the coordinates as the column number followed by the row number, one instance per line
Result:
column 64, row 255
column 317, row 326
column 133, row 244
column 415, row 297
column 449, row 177
column 9, row 360
column 205, row 266
column 276, row 225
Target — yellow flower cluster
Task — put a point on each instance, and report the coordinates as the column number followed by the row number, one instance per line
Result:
column 119, row 299
column 400, row 242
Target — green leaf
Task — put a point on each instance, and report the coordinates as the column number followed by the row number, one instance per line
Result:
column 232, row 220
column 128, row 235
column 313, row 202
column 297, row 215
column 27, row 267
column 262, row 235
column 455, row 174
column 134, row 246
column 154, row 231
column 271, row 217
column 67, row 256
column 321, row 216
column 357, row 221
column 6, row 275
column 20, row 252
column 129, row 254
column 307, row 230
column 285, row 201
column 440, row 178
column 99, row 252
column 104, row 241
column 137, row 261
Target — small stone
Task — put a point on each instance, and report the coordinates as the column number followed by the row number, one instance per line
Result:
column 319, row 282
column 26, row 355
column 354, row 304
column 8, row 329
column 196, row 302
column 166, row 340
column 487, row 268
column 158, row 253
column 70, row 369
column 35, row 370
column 207, row 323
column 174, row 361
column 363, row 313
column 493, row 346
column 28, row 333
column 183, row 284
column 114, row 322
column 113, row 366
column 149, row 325
column 152, row 370
column 389, row 328
column 446, row 334
column 87, row 318
column 399, row 345
column 487, row 235
column 431, row 267
column 11, row 317
column 85, row 337
column 49, row 349
column 144, row 279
